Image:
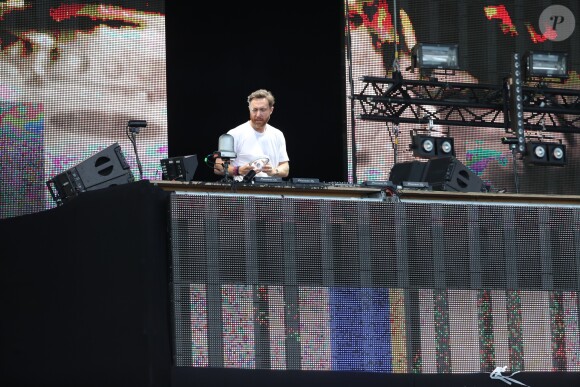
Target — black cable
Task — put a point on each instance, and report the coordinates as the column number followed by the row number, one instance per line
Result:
column 210, row 163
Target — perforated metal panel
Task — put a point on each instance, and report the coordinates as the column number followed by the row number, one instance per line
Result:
column 316, row 284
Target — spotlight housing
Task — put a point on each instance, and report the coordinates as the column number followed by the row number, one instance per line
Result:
column 540, row 65
column 545, row 153
column 445, row 146
column 431, row 147
column 435, row 56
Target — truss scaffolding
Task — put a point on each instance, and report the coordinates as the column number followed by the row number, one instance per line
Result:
column 398, row 100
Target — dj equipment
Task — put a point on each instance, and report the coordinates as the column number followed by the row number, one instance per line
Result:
column 305, row 180
column 181, row 168
column 269, row 180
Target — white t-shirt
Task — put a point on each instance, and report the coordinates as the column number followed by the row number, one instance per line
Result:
column 250, row 145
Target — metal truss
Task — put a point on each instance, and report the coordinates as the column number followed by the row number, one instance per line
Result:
column 552, row 110
column 398, row 100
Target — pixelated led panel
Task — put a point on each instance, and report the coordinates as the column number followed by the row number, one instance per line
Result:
column 290, row 283
column 21, row 158
column 490, row 32
column 67, row 91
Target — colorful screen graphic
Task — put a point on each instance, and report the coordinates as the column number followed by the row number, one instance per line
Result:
column 354, row 329
column 21, row 157
column 412, row 288
column 73, row 74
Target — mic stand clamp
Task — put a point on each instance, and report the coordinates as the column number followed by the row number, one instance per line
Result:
column 226, row 167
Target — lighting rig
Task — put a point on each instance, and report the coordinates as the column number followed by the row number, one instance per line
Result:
column 522, row 104
column 426, row 145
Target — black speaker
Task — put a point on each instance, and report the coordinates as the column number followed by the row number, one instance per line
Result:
column 449, row 174
column 104, row 169
column 181, row 168
column 407, row 171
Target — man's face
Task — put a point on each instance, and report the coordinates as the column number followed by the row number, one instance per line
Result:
column 260, row 112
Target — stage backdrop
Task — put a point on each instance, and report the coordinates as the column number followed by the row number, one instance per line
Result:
column 487, row 33
column 72, row 73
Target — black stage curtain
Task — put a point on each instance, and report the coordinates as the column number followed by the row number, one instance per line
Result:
column 84, row 292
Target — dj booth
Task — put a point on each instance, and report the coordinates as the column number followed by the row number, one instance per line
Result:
column 381, row 191
column 164, row 283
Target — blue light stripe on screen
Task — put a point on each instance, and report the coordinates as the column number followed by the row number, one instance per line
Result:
column 360, row 330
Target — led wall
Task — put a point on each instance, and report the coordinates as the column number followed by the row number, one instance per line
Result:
column 378, row 32
column 72, row 74
column 373, row 286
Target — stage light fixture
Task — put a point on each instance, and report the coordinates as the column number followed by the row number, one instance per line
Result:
column 445, row 146
column 558, row 153
column 435, row 56
column 540, row 151
column 544, row 64
column 427, row 144
column 431, row 147
column 545, row 153
column 517, row 104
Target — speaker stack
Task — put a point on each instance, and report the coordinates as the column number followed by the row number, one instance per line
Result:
column 104, row 169
column 441, row 174
column 410, row 171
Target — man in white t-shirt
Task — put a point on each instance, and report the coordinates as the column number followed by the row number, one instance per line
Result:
column 258, row 146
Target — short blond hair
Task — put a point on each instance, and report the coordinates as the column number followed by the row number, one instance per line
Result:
column 262, row 93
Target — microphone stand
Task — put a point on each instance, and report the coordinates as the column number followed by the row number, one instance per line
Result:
column 226, row 147
column 132, row 131
column 515, row 167
column 513, row 143
column 226, row 161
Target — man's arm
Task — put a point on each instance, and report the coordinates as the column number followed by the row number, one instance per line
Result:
column 218, row 166
column 282, row 170
column 242, row 170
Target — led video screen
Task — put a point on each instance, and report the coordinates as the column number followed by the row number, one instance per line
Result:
column 73, row 73
column 371, row 286
column 382, row 40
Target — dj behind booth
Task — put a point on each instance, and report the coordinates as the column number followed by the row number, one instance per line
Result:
column 439, row 174
column 425, row 279
column 109, row 168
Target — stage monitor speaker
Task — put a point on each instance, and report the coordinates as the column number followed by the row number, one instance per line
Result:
column 407, row 171
column 181, row 168
column 104, row 169
column 123, row 179
column 449, row 174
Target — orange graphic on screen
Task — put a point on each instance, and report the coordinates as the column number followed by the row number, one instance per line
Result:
column 499, row 12
column 508, row 28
